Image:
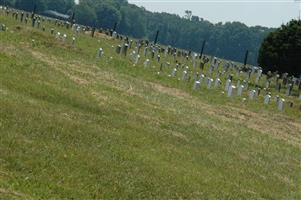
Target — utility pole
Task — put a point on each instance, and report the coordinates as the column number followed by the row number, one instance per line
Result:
column 246, row 58
column 202, row 51
column 156, row 38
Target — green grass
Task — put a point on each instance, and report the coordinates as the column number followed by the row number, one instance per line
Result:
column 73, row 126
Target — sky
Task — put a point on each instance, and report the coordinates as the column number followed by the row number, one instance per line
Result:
column 269, row 13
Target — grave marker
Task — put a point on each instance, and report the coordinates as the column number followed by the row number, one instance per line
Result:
column 218, row 83
column 185, row 76
column 240, row 90
column 118, row 49
column 227, row 85
column 125, row 49
column 146, row 63
column 267, row 99
column 174, row 72
column 289, row 90
column 252, row 94
column 202, row 77
column 64, row 37
column 281, row 104
column 137, row 59
column 197, row 85
column 145, row 51
column 231, row 90
column 99, row 53
column 209, row 83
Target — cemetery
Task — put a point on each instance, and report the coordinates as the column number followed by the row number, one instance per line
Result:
column 89, row 113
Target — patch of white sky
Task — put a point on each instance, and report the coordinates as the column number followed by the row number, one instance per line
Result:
column 269, row 13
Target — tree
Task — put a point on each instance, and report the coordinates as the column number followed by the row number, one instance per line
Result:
column 188, row 14
column 61, row 6
column 195, row 18
column 85, row 14
column 28, row 5
column 107, row 15
column 281, row 49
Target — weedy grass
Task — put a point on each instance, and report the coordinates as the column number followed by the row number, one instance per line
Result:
column 73, row 126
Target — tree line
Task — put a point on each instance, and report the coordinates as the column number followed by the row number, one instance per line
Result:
column 225, row 40
column 281, row 50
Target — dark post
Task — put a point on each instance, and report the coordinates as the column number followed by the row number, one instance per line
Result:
column 33, row 22
column 93, row 31
column 115, row 25
column 22, row 16
column 202, row 51
column 156, row 38
column 246, row 58
column 34, row 11
column 72, row 19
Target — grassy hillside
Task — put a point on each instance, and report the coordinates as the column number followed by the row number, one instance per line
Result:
column 73, row 126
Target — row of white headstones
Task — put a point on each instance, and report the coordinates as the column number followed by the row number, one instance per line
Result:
column 230, row 89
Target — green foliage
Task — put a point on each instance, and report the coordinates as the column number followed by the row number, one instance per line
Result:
column 28, row 5
column 281, row 50
column 61, row 6
column 85, row 14
column 107, row 15
column 229, row 40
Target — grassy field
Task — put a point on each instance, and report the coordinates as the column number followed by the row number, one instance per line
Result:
column 76, row 127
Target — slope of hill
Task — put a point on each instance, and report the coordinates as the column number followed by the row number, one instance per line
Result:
column 73, row 126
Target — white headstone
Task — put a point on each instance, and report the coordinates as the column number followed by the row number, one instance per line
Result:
column 218, row 82
column 114, row 34
column 58, row 35
column 267, row 84
column 209, row 83
column 33, row 42
column 227, row 85
column 146, row 63
column 238, row 84
column 259, row 73
column 267, row 99
column 145, row 51
column 166, row 52
column 78, row 30
column 64, row 37
column 185, row 76
column 289, row 90
column 174, row 72
column 137, row 59
column 202, row 77
column 240, row 90
column 231, row 90
column 281, row 104
column 99, row 53
column 197, row 85
column 258, row 76
column 252, row 94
